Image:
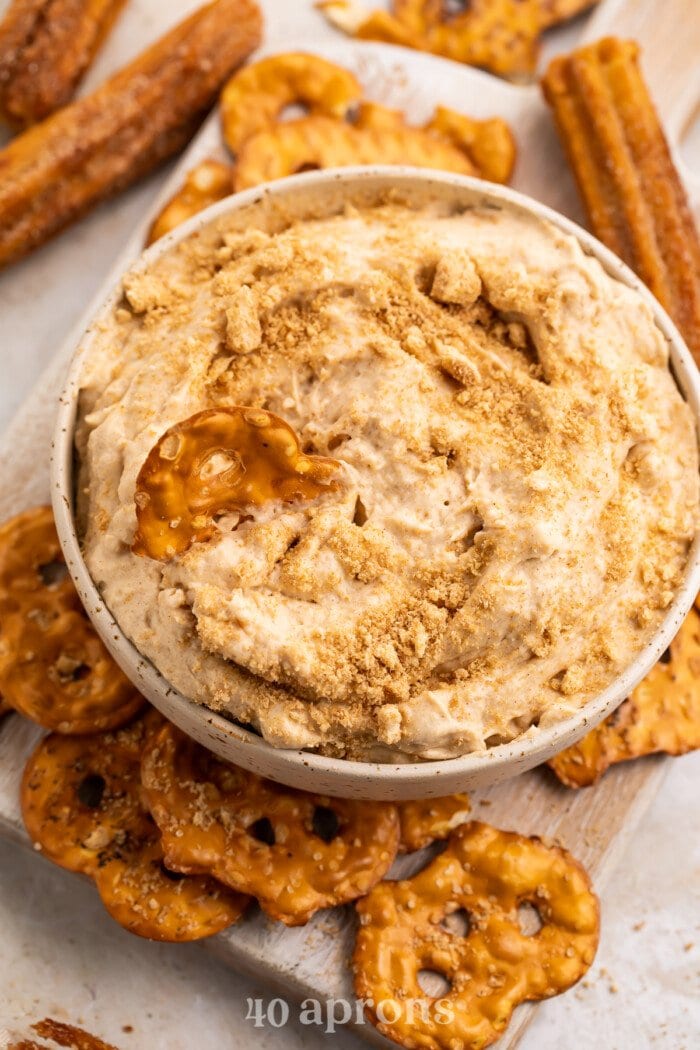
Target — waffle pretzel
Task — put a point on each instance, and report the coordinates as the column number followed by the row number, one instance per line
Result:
column 661, row 715
column 499, row 35
column 295, row 852
column 256, row 97
column 320, row 142
column 489, row 144
column 209, row 182
column 220, row 460
column 482, row 877
column 81, row 802
column 427, row 820
column 54, row 668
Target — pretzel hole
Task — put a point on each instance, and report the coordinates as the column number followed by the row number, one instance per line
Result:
column 457, row 923
column 453, row 8
column 91, row 790
column 433, row 983
column 325, row 823
column 665, row 657
column 293, row 111
column 70, row 669
column 174, row 876
column 220, row 461
column 529, row 919
column 263, row 831
column 53, row 572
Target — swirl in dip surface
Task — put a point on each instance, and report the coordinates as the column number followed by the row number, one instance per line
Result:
column 519, row 476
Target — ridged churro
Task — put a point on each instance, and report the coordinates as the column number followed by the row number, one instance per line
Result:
column 634, row 198
column 46, row 46
column 57, row 170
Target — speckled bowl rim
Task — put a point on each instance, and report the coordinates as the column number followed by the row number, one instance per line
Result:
column 306, row 769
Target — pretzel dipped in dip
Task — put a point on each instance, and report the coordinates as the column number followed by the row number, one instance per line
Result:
column 492, row 475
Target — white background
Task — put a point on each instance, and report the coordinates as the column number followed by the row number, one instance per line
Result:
column 61, row 955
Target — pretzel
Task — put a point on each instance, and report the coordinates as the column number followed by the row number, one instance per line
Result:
column 53, row 667
column 220, row 460
column 256, row 97
column 320, row 142
column 489, row 144
column 499, row 35
column 146, row 898
column 206, row 184
column 484, row 876
column 426, row 820
column 661, row 715
column 81, row 803
column 294, row 851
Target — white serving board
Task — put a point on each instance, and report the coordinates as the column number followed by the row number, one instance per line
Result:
column 595, row 824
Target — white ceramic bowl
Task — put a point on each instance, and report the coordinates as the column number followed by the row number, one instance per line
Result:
column 319, row 194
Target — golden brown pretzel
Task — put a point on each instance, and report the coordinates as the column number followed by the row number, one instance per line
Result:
column 53, row 667
column 256, row 96
column 499, row 35
column 294, row 851
column 220, row 460
column 209, row 182
column 81, row 803
column 661, row 714
column 483, row 877
column 321, row 142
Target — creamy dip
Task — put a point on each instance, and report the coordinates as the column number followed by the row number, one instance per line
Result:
column 519, row 477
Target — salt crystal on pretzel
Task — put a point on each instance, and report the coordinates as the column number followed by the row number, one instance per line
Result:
column 81, row 803
column 426, row 820
column 661, row 715
column 54, row 669
column 209, row 182
column 217, row 461
column 295, row 852
column 257, row 96
column 459, row 917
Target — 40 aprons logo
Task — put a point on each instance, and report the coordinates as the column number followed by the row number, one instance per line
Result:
column 331, row 1014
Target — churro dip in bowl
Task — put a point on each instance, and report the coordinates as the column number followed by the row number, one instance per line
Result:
column 396, row 480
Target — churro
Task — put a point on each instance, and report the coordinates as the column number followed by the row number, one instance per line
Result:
column 634, row 198
column 57, row 170
column 46, row 46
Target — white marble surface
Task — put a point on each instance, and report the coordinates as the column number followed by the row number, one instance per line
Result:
column 61, row 955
